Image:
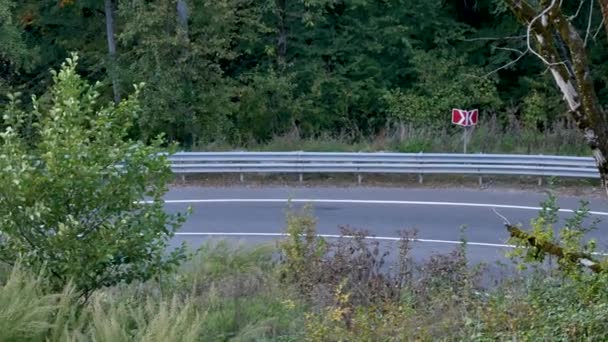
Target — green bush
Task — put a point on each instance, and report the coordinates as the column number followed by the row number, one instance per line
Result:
column 72, row 190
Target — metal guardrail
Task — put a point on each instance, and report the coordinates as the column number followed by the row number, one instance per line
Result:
column 362, row 163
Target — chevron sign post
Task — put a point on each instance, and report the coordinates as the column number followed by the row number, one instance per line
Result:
column 466, row 119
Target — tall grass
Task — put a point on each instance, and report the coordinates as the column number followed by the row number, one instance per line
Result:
column 226, row 293
column 26, row 311
column 488, row 137
column 148, row 319
column 343, row 291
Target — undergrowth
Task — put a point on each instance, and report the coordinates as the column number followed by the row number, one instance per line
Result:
column 486, row 138
column 307, row 288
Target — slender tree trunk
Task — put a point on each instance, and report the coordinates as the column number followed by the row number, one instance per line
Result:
column 182, row 16
column 109, row 11
column 281, row 8
column 185, row 58
column 561, row 47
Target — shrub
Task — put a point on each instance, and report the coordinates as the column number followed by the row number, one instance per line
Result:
column 72, row 190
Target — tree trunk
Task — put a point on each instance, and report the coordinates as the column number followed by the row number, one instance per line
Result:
column 281, row 8
column 109, row 11
column 182, row 16
column 561, row 47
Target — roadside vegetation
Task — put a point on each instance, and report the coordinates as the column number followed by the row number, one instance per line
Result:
column 305, row 288
column 486, row 138
column 85, row 249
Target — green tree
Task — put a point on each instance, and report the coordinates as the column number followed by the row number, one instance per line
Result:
column 437, row 90
column 187, row 95
column 73, row 190
column 268, row 105
column 50, row 29
column 341, row 57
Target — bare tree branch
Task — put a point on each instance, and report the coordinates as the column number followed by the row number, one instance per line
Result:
column 599, row 28
column 504, row 219
column 580, row 6
column 589, row 23
column 509, row 49
column 521, row 55
column 544, row 22
column 495, row 38
column 583, row 259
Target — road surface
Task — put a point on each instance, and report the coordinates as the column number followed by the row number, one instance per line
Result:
column 247, row 214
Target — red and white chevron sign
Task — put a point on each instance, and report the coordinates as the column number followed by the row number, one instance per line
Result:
column 465, row 118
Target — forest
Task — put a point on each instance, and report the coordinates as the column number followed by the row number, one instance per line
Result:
column 243, row 73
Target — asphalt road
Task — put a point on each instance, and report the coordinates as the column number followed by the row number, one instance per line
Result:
column 437, row 214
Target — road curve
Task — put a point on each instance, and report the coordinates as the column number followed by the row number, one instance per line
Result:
column 258, row 214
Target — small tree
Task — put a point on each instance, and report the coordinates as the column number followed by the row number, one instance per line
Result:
column 72, row 189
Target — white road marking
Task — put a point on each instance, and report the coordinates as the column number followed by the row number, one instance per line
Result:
column 385, row 202
column 381, row 238
column 335, row 236
column 349, row 201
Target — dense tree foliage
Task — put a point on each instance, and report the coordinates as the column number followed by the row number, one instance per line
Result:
column 244, row 71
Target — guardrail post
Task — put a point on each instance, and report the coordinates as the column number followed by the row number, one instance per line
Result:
column 540, row 178
column 480, row 180
column 420, row 176
column 359, row 178
column 183, row 177
column 301, row 178
column 242, row 177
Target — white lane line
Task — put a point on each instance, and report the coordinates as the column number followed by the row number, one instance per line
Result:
column 385, row 202
column 335, row 236
column 380, row 238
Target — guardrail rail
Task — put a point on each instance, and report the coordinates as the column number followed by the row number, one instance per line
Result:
column 184, row 163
